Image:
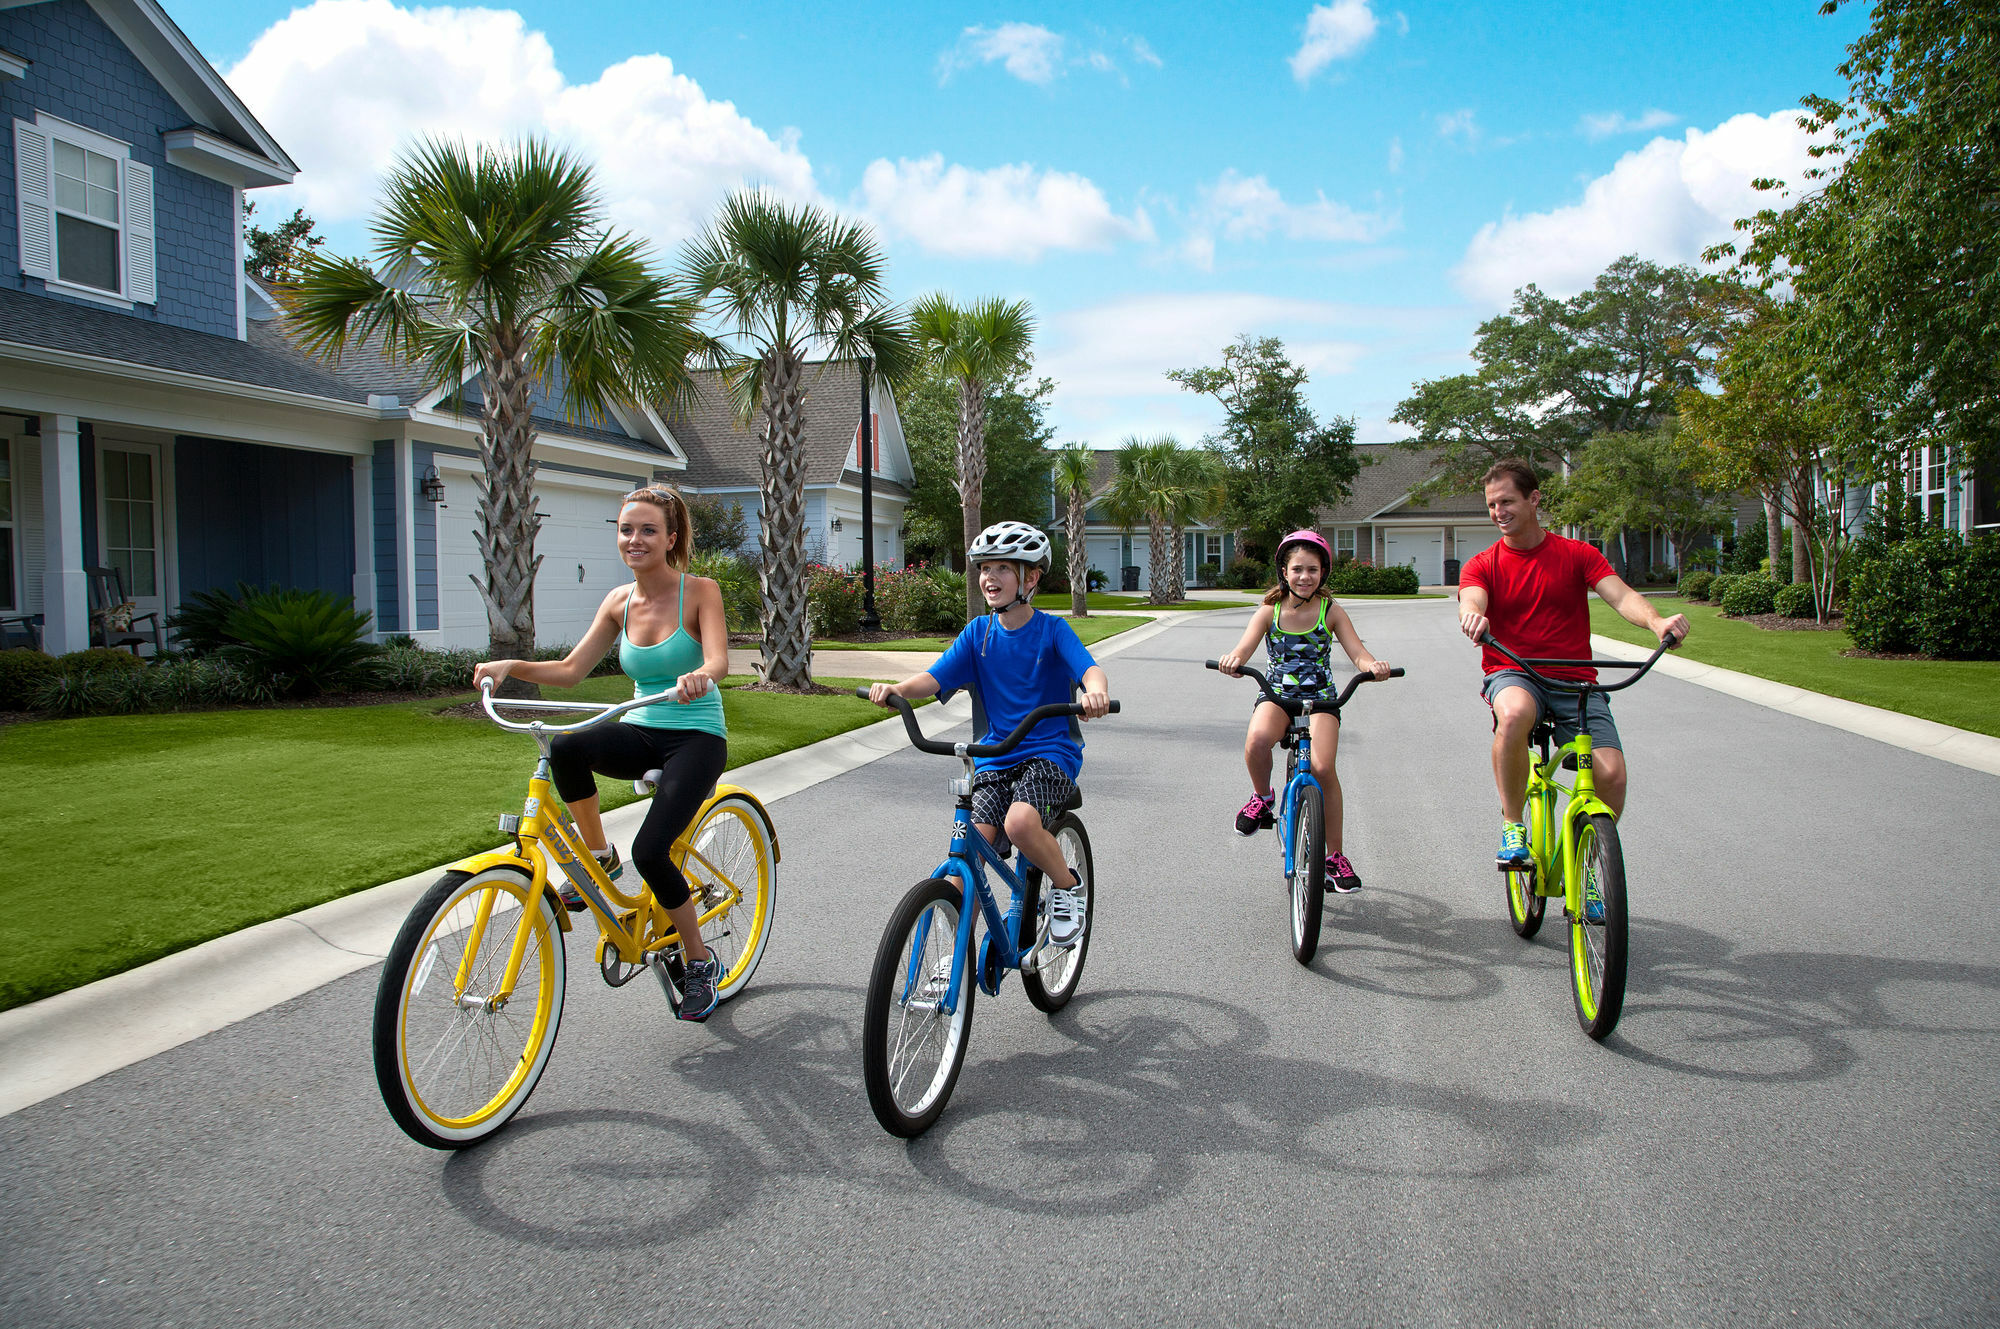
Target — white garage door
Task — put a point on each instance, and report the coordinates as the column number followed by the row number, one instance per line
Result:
column 578, row 533
column 1423, row 548
column 1103, row 551
column 1471, row 540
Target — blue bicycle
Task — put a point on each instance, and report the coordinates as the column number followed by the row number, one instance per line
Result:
column 919, row 1011
column 1301, row 813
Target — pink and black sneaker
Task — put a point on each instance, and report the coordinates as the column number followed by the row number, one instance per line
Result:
column 1255, row 816
column 1340, row 874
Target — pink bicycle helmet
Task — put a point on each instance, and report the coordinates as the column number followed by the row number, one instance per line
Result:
column 1313, row 538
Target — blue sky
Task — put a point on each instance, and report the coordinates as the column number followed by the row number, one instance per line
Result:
column 1366, row 181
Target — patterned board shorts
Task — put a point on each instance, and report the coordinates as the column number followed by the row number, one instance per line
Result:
column 1037, row 781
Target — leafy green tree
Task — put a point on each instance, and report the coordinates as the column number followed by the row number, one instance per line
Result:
column 1283, row 464
column 976, row 346
column 1555, row 374
column 1151, row 484
column 1074, row 473
column 519, row 278
column 1639, row 481
column 788, row 282
column 1891, row 246
column 274, row 255
column 1016, row 484
column 719, row 524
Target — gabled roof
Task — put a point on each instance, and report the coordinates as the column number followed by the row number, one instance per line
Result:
column 194, row 85
column 724, row 455
column 1389, row 472
column 267, row 360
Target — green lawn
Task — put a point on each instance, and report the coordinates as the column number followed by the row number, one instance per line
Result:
column 1964, row 693
column 1088, row 630
column 192, row 826
column 1106, row 601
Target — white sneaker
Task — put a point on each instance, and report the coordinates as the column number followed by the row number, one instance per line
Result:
column 1065, row 916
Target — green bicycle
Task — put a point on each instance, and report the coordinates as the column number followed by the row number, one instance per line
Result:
column 1573, row 851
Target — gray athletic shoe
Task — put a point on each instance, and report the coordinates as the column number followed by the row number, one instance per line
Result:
column 1065, row 916
column 698, row 994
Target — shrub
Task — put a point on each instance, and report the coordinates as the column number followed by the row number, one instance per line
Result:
column 1794, row 601
column 1934, row 593
column 1749, row 595
column 1720, row 586
column 833, row 600
column 921, row 599
column 414, row 669
column 1660, row 575
column 1208, row 574
column 1246, row 574
column 1396, row 581
column 22, row 674
column 719, row 526
column 201, row 625
column 737, row 577
column 181, row 685
column 1095, row 580
column 302, row 642
column 1694, row 585
column 99, row 660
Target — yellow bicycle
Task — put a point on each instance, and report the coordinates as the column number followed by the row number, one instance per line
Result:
column 472, row 992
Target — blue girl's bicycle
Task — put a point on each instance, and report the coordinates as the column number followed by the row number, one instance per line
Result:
column 1301, row 814
column 919, row 1010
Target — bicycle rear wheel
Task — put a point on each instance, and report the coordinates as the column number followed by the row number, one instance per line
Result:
column 1597, row 950
column 454, row 1057
column 1308, row 872
column 911, row 1047
column 1524, row 907
column 732, row 865
column 1051, row 986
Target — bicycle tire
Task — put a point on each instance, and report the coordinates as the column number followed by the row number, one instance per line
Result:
column 731, row 844
column 1525, row 907
column 1598, row 950
column 1051, row 986
column 452, row 1074
column 920, row 940
column 1308, row 893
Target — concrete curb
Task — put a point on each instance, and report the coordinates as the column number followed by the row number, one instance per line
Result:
column 1978, row 752
column 51, row 1046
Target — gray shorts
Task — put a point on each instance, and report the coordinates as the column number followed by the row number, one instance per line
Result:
column 1559, row 706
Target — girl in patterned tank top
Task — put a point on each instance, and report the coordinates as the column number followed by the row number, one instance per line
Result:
column 678, row 617
column 1298, row 624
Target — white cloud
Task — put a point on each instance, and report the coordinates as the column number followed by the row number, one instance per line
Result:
column 1028, row 51
column 1010, row 212
column 1142, row 52
column 1459, row 124
column 1250, row 208
column 346, row 84
column 1616, row 122
column 1666, row 202
column 1333, row 32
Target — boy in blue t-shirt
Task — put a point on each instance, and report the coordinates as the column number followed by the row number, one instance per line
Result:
column 1017, row 659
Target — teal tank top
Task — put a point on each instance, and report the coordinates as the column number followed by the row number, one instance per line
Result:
column 655, row 669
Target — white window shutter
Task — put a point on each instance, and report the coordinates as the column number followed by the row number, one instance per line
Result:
column 34, row 191
column 136, row 200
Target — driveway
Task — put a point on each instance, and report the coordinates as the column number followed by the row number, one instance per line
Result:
column 1796, row 1120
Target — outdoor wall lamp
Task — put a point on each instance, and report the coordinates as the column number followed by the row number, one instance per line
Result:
column 430, row 485
column 836, row 525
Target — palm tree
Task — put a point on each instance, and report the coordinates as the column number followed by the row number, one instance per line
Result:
column 977, row 345
column 501, row 262
column 1075, row 471
column 1145, row 488
column 788, row 281
column 1197, row 478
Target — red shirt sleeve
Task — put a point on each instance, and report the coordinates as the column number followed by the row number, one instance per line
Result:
column 1595, row 566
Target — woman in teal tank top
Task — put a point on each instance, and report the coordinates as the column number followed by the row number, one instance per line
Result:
column 670, row 633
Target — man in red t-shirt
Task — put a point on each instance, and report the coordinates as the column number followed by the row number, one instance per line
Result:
column 1532, row 591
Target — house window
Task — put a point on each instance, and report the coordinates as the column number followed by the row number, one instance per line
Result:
column 1211, row 549
column 130, row 531
column 1343, row 542
column 8, row 600
column 1927, row 480
column 87, row 231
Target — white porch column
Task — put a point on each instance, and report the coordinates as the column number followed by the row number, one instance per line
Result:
column 65, row 590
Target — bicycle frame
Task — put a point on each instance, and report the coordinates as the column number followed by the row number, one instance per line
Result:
column 969, row 858
column 1298, row 778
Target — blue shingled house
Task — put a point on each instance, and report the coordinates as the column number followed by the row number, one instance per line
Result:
column 157, row 419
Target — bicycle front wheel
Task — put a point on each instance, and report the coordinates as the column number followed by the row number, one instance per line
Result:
column 1597, row 949
column 1524, row 907
column 1308, row 872
column 731, row 867
column 911, row 1047
column 1052, row 985
column 457, row 1052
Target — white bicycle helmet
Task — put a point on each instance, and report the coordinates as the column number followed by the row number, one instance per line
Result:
column 1011, row 540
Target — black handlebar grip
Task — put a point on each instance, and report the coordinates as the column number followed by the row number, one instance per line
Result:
column 1211, row 664
column 862, row 692
column 1112, row 709
column 1396, row 672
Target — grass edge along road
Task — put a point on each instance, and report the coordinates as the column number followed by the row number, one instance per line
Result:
column 1089, row 631
column 1962, row 693
column 147, row 834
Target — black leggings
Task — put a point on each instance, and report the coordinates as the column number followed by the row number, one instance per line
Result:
column 689, row 761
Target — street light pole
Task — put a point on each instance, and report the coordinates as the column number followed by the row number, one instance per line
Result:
column 870, row 620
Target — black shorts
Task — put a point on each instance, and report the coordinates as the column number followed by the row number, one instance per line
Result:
column 1038, row 782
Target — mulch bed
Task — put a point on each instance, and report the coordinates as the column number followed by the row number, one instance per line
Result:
column 1779, row 623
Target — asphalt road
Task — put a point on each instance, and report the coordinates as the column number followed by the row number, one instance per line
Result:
column 1796, row 1121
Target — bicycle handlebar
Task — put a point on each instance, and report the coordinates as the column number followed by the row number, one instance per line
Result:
column 1298, row 705
column 1667, row 643
column 937, row 747
column 605, row 710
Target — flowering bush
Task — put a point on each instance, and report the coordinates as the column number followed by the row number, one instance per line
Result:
column 833, row 600
column 921, row 599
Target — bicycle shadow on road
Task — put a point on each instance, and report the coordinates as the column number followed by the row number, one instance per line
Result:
column 1697, row 1005
column 1157, row 1086
column 1397, row 944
